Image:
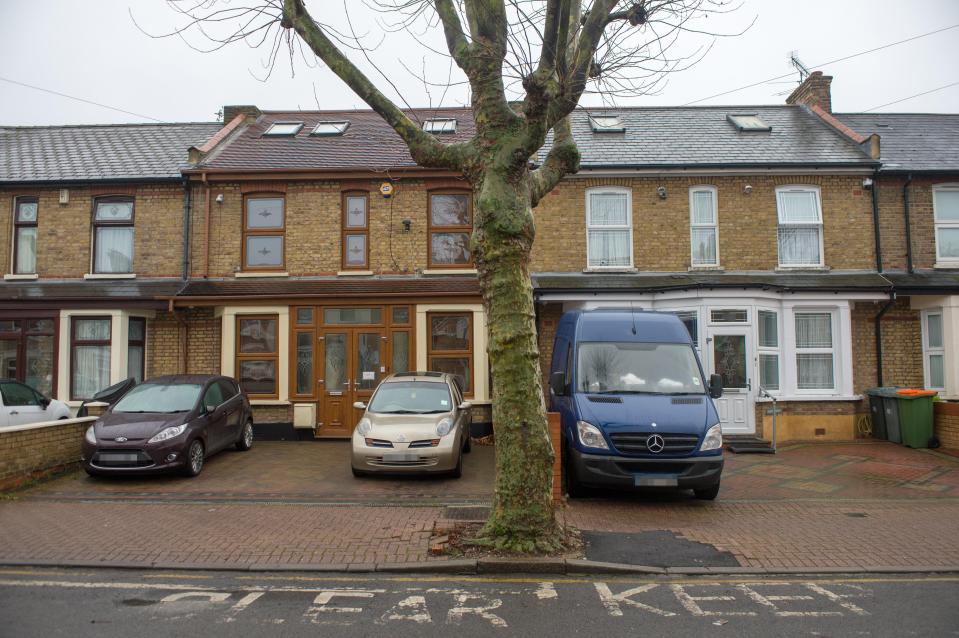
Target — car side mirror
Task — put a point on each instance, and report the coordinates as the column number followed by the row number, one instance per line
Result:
column 715, row 386
column 44, row 402
column 209, row 409
column 359, row 405
column 557, row 383
column 465, row 405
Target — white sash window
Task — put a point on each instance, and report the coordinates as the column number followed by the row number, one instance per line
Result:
column 609, row 228
column 800, row 227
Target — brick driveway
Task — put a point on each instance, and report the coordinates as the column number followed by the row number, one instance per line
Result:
column 811, row 506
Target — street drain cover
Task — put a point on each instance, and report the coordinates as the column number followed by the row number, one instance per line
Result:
column 467, row 513
column 660, row 548
column 856, row 514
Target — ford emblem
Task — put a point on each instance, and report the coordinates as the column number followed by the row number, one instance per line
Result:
column 121, row 439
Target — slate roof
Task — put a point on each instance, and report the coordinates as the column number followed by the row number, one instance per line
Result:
column 338, row 287
column 911, row 141
column 655, row 137
column 39, row 154
column 368, row 144
column 103, row 290
column 925, row 282
column 665, row 281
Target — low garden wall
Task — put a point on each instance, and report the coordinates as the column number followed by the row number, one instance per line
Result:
column 947, row 424
column 32, row 451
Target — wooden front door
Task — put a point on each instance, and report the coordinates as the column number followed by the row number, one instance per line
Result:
column 352, row 364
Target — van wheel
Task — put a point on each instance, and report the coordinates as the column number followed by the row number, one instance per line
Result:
column 707, row 494
column 573, row 487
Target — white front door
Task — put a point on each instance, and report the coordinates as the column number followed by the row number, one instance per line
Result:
column 729, row 353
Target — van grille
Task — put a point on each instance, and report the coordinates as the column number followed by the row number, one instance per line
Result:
column 687, row 401
column 635, row 442
column 601, row 399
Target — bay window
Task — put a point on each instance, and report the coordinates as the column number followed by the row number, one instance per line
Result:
column 90, row 339
column 945, row 205
column 815, row 353
column 609, row 228
column 257, row 357
column 136, row 348
column 768, row 350
column 25, row 236
column 113, row 235
column 933, row 352
column 704, row 240
column 264, row 233
column 450, row 346
column 800, row 227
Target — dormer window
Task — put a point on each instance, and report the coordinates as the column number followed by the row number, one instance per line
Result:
column 748, row 122
column 440, row 126
column 329, row 128
column 283, row 129
column 606, row 124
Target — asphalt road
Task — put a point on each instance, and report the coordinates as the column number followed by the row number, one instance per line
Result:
column 103, row 603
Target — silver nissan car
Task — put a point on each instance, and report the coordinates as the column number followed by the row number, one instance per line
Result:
column 416, row 422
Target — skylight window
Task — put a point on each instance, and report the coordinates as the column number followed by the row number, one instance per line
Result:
column 281, row 129
column 440, row 126
column 748, row 122
column 331, row 128
column 606, row 124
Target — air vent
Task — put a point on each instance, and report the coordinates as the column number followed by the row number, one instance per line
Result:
column 604, row 399
column 687, row 401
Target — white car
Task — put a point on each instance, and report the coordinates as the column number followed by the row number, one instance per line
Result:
column 20, row 404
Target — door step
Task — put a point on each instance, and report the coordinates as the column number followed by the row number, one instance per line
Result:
column 748, row 445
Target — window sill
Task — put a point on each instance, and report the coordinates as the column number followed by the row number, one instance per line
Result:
column 610, row 270
column 354, row 273
column 264, row 402
column 801, row 268
column 794, row 398
column 716, row 268
column 110, row 275
column 269, row 273
column 947, row 265
column 450, row 271
column 13, row 277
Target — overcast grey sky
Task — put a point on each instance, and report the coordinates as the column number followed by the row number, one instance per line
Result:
column 91, row 49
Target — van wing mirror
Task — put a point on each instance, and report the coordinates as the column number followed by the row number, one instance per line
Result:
column 557, row 383
column 715, row 386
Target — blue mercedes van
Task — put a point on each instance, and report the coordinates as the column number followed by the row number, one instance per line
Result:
column 636, row 407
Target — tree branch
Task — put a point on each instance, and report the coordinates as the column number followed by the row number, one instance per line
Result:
column 562, row 159
column 456, row 40
column 425, row 149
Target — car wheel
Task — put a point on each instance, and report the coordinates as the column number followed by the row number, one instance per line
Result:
column 458, row 470
column 92, row 473
column 468, row 445
column 194, row 458
column 359, row 473
column 245, row 442
column 707, row 494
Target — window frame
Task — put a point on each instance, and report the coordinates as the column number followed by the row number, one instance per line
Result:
column 354, row 230
column 834, row 332
column 97, row 224
column 74, row 320
column 628, row 227
column 693, row 225
column 928, row 351
column 780, row 190
column 239, row 357
column 17, row 225
column 453, row 354
column 137, row 343
column 440, row 125
column 951, row 262
column 432, row 229
column 263, row 232
column 773, row 351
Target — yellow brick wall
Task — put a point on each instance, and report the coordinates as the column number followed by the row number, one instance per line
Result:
column 747, row 223
column 164, row 344
column 64, row 231
column 32, row 453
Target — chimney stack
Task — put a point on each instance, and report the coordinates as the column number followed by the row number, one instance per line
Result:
column 232, row 110
column 813, row 91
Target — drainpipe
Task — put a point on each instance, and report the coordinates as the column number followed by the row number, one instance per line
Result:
column 875, row 220
column 187, row 192
column 905, row 210
column 878, row 330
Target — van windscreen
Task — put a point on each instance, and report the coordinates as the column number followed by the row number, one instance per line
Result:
column 642, row 368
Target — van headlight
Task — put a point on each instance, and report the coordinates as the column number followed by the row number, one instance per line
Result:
column 168, row 433
column 364, row 426
column 91, row 436
column 443, row 427
column 713, row 439
column 590, row 436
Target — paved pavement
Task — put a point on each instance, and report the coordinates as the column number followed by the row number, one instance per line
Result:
column 104, row 603
column 815, row 506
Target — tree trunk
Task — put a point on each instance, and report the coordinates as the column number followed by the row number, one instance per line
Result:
column 522, row 516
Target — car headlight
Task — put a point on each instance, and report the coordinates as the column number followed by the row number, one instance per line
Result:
column 91, row 436
column 364, row 426
column 443, row 427
column 590, row 436
column 713, row 439
column 168, row 433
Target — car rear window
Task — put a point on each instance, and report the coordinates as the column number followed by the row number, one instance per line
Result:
column 155, row 397
column 411, row 397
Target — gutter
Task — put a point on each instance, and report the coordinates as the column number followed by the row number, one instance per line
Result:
column 878, row 331
column 905, row 212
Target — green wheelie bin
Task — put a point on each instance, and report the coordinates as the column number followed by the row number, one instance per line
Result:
column 916, row 417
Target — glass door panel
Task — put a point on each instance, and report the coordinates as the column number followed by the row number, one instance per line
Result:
column 336, row 398
column 368, row 369
column 38, row 366
column 729, row 353
column 8, row 358
column 304, row 364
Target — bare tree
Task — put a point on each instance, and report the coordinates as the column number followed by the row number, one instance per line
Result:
column 527, row 64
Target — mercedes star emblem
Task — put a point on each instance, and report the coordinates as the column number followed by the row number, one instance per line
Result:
column 655, row 443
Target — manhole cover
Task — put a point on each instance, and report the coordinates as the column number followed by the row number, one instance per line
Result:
column 467, row 513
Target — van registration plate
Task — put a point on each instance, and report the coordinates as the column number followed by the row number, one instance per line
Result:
column 655, row 480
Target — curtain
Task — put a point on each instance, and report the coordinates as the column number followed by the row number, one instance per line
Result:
column 114, row 249
column 947, row 205
column 135, row 362
column 799, row 245
column 798, row 207
column 91, row 370
column 934, row 331
column 937, row 377
column 92, row 329
column 608, row 209
column 768, row 329
column 814, row 330
column 947, row 239
column 609, row 248
column 703, row 213
column 26, row 250
column 769, row 371
column 704, row 246
column 814, row 371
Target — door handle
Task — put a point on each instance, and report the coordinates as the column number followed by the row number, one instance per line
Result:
column 13, row 412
